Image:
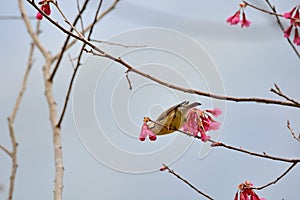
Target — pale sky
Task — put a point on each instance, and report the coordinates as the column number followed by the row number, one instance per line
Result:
column 189, row 43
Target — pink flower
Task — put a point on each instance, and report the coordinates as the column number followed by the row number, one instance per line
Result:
column 287, row 32
column 294, row 16
column 146, row 131
column 214, row 126
column 45, row 7
column 244, row 21
column 215, row 112
column 234, row 19
column 200, row 122
column 288, row 15
column 296, row 37
column 246, row 192
column 296, row 19
column 204, row 137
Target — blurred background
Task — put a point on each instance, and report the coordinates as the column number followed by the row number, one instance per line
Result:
column 249, row 61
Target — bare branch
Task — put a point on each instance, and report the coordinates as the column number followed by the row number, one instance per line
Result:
column 67, row 45
column 292, row 131
column 29, row 28
column 11, row 119
column 64, row 48
column 5, row 150
column 118, row 44
column 77, row 67
column 263, row 155
column 80, row 16
column 25, row 78
column 278, row 91
column 278, row 178
column 128, row 80
column 165, row 167
column 14, row 165
column 194, row 91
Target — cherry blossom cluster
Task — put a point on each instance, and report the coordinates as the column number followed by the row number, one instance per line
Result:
column 294, row 18
column 245, row 192
column 199, row 122
column 45, row 7
column 235, row 18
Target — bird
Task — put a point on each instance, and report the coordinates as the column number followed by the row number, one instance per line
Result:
column 172, row 119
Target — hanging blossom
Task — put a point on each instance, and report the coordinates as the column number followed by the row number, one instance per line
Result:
column 235, row 19
column 146, row 131
column 245, row 192
column 199, row 122
column 45, row 7
column 293, row 15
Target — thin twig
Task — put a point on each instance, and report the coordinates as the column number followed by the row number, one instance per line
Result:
column 278, row 178
column 5, row 150
column 292, row 131
column 67, row 41
column 264, row 155
column 268, row 12
column 165, row 167
column 262, row 10
column 66, row 20
column 128, row 80
column 71, row 61
column 118, row 44
column 278, row 91
column 80, row 16
column 77, row 67
column 30, row 30
column 108, row 10
column 11, row 120
column 14, row 165
column 25, row 78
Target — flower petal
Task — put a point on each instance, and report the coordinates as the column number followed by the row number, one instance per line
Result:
column 287, row 32
column 215, row 112
column 39, row 16
column 152, row 136
column 234, row 19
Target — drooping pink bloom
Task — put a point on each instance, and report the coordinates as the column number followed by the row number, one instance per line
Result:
column 146, row 131
column 214, row 125
column 296, row 37
column 45, row 7
column 296, row 18
column 289, row 14
column 199, row 122
column 246, row 192
column 287, row 32
column 192, row 123
column 204, row 137
column 215, row 112
column 244, row 21
column 234, row 19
